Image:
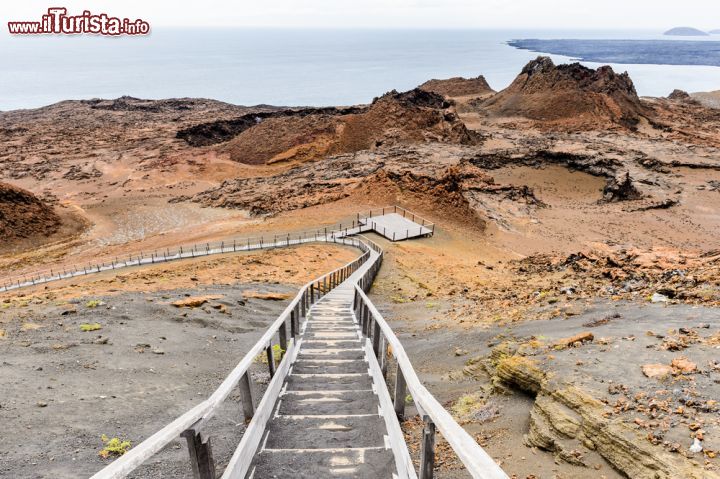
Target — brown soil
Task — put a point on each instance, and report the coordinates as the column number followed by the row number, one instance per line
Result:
column 291, row 266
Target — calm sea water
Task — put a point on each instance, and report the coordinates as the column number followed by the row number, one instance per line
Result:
column 287, row 67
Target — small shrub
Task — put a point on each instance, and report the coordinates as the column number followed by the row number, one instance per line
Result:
column 87, row 327
column 466, row 405
column 277, row 354
column 93, row 303
column 113, row 447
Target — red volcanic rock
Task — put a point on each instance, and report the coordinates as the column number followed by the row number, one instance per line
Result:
column 23, row 215
column 458, row 86
column 571, row 94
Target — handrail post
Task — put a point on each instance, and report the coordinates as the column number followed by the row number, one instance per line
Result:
column 383, row 357
column 271, row 359
column 400, row 394
column 293, row 331
column 201, row 459
column 368, row 322
column 246, row 396
column 427, row 450
column 363, row 319
column 283, row 338
column 376, row 339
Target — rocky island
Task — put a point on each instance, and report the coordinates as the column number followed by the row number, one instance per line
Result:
column 565, row 310
column 685, row 32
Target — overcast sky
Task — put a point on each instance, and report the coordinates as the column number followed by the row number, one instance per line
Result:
column 569, row 14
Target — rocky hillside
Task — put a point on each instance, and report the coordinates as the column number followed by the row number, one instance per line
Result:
column 708, row 99
column 458, row 86
column 394, row 118
column 23, row 215
column 569, row 95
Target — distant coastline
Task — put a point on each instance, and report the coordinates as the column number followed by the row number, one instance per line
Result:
column 686, row 32
column 641, row 52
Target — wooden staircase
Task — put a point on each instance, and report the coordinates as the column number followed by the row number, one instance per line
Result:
column 328, row 421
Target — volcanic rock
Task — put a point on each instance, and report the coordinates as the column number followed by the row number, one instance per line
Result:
column 569, row 95
column 621, row 189
column 394, row 118
column 679, row 95
column 458, row 86
column 23, row 215
column 210, row 133
column 658, row 371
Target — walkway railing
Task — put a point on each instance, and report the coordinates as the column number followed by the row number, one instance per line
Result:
column 284, row 332
column 348, row 228
column 477, row 462
column 191, row 424
column 173, row 254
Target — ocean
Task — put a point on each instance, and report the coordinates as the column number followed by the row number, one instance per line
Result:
column 290, row 67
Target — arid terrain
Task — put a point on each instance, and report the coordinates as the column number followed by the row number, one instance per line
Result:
column 565, row 310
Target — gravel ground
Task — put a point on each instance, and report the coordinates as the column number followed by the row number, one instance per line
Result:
column 62, row 388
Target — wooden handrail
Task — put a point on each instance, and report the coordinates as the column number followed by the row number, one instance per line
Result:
column 160, row 256
column 478, row 463
column 200, row 413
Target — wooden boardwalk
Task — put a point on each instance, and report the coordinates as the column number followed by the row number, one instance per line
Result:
column 327, row 411
column 394, row 223
column 328, row 421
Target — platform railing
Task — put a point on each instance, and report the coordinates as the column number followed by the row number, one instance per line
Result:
column 365, row 217
column 191, row 425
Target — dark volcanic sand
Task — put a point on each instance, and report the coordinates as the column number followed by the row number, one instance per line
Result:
column 593, row 367
column 61, row 390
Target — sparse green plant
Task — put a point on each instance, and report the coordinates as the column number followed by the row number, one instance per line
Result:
column 408, row 399
column 113, row 447
column 87, row 327
column 93, row 303
column 466, row 405
column 277, row 355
